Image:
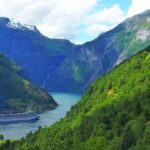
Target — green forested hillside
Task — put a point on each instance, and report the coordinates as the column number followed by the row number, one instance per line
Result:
column 18, row 94
column 113, row 114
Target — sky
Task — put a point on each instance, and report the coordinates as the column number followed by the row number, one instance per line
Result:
column 76, row 20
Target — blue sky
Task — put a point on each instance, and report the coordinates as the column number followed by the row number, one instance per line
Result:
column 77, row 20
column 101, row 4
column 124, row 4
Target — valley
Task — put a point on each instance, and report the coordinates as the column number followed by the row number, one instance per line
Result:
column 91, row 96
column 113, row 114
column 64, row 63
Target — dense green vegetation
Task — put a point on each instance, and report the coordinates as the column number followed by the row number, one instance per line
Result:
column 1, row 137
column 18, row 94
column 113, row 114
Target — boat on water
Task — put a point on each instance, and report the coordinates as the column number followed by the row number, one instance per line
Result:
column 18, row 117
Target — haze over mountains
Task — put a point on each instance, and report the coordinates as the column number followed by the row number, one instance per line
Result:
column 59, row 65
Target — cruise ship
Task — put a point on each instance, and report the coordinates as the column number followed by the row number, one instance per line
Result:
column 18, row 117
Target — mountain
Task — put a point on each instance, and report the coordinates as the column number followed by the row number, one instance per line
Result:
column 18, row 94
column 35, row 53
column 58, row 65
column 99, row 56
column 113, row 114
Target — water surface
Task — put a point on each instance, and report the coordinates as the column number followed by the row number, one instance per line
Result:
column 18, row 130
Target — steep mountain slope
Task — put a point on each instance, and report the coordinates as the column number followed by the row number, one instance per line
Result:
column 35, row 53
column 18, row 94
column 65, row 66
column 99, row 56
column 113, row 114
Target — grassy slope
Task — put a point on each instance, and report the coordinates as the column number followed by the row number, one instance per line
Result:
column 18, row 94
column 113, row 114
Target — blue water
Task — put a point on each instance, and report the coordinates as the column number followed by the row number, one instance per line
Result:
column 18, row 130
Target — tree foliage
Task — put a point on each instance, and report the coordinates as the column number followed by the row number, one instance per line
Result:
column 113, row 114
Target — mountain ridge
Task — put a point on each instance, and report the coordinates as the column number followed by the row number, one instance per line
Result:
column 64, row 63
column 102, row 54
column 33, row 51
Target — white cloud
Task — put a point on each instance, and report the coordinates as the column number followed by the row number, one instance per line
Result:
column 63, row 18
column 55, row 18
column 138, row 6
column 96, row 29
column 78, row 42
column 104, row 20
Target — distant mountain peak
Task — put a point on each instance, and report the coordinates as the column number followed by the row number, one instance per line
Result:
column 11, row 23
column 147, row 12
column 15, row 25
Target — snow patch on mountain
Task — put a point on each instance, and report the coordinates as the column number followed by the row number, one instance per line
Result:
column 143, row 34
column 16, row 25
column 148, row 19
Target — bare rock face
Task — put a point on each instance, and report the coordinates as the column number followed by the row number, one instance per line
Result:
column 143, row 35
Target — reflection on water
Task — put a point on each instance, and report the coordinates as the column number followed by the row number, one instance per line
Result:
column 18, row 130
